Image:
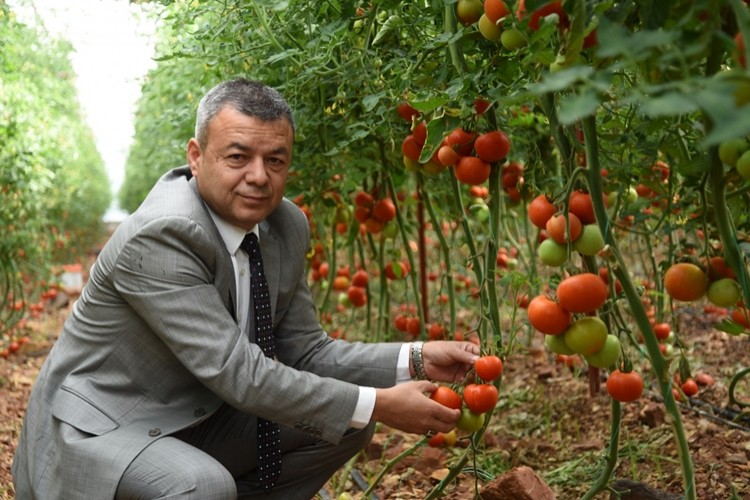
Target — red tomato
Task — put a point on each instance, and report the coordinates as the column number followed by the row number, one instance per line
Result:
column 488, row 368
column 363, row 199
column 495, row 9
column 436, row 331
column 341, row 283
column 472, row 170
column 357, row 296
column 625, row 386
column 547, row 316
column 662, row 330
column 447, row 397
column 559, row 229
column 360, row 278
column 480, row 398
column 461, row 140
column 542, row 12
column 413, row 326
column 406, row 111
column 411, row 148
column 582, row 293
column 481, row 104
column 703, row 378
column 437, row 440
column 541, row 210
column 581, row 205
column 690, row 387
column 400, row 322
column 384, row 210
column 492, row 146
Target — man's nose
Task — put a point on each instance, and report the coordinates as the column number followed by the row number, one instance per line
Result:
column 255, row 172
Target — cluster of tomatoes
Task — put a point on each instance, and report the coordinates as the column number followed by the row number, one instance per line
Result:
column 475, row 401
column 468, row 153
column 577, row 227
column 496, row 23
column 374, row 214
column 572, row 328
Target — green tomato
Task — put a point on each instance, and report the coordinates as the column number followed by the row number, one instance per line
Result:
column 343, row 299
column 724, row 292
column 590, row 242
column 469, row 11
column 488, row 29
column 470, row 421
column 513, row 39
column 608, row 355
column 631, row 196
column 743, row 165
column 481, row 212
column 390, row 230
column 731, row 150
column 556, row 344
column 552, row 253
column 586, row 335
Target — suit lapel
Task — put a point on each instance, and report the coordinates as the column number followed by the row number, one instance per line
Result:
column 224, row 272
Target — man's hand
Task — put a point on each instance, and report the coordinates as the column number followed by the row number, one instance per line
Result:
column 408, row 407
column 448, row 361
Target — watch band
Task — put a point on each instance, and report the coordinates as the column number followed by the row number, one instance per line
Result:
column 417, row 360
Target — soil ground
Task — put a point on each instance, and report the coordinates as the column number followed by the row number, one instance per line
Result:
column 546, row 419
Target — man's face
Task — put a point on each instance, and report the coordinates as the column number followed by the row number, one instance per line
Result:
column 242, row 171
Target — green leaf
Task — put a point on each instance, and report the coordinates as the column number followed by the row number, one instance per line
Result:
column 393, row 23
column 371, row 101
column 615, row 40
column 436, row 129
column 668, row 104
column 730, row 327
column 428, row 105
column 575, row 107
column 561, row 80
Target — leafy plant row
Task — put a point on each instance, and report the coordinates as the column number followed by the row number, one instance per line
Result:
column 53, row 186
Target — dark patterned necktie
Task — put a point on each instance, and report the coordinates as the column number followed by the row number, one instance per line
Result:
column 269, row 450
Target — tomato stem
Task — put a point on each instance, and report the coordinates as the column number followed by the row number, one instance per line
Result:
column 658, row 363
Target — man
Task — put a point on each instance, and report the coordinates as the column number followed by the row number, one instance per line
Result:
column 156, row 385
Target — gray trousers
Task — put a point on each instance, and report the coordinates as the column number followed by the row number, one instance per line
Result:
column 216, row 460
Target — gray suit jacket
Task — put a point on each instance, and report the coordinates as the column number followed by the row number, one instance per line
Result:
column 152, row 347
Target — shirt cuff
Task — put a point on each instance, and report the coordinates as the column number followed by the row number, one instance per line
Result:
column 364, row 408
column 366, row 401
column 402, row 367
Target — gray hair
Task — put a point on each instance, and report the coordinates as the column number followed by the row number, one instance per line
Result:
column 249, row 97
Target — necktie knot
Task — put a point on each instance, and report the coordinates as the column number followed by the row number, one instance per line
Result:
column 251, row 246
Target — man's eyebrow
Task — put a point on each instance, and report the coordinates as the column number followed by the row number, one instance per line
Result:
column 245, row 148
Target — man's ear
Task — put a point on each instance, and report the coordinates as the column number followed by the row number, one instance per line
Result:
column 194, row 154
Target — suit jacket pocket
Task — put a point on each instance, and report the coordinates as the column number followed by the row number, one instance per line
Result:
column 81, row 413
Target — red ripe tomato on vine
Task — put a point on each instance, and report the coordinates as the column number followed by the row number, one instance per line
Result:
column 625, row 386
